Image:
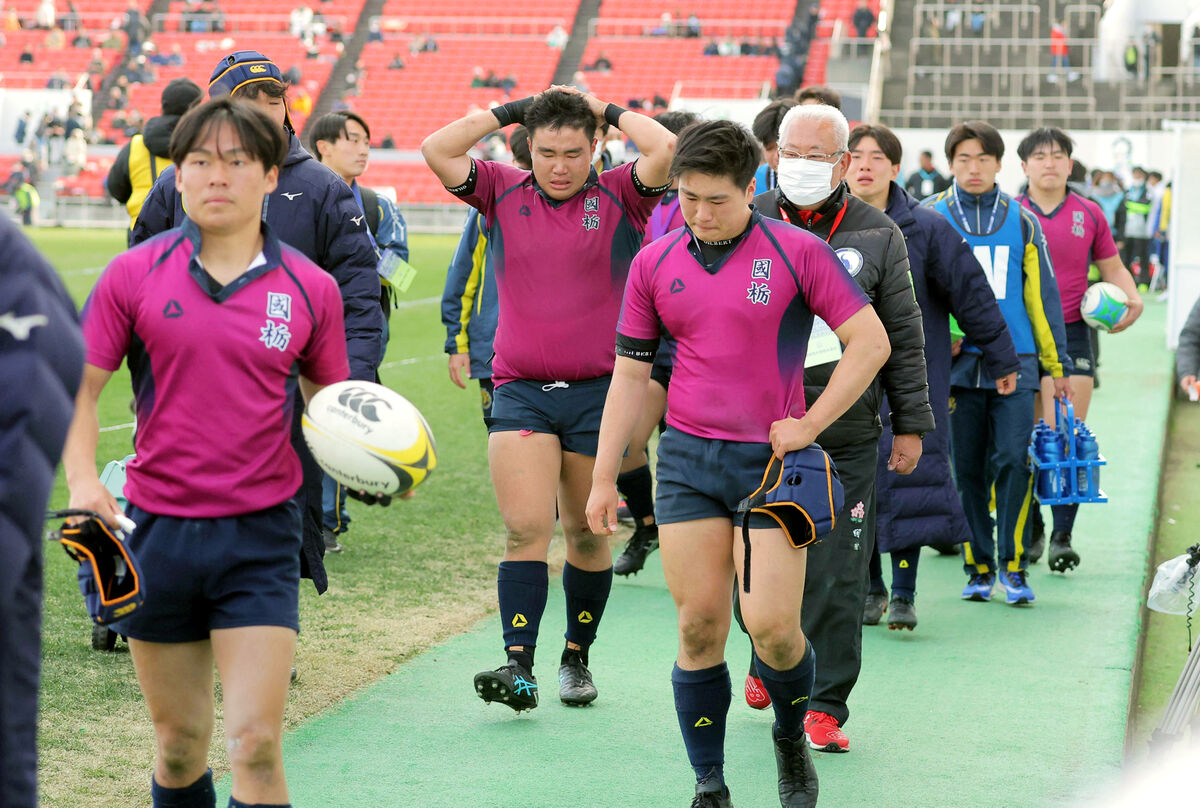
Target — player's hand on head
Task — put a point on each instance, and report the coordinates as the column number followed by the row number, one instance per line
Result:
column 601, row 510
column 460, row 368
column 93, row 496
column 369, row 499
column 790, row 434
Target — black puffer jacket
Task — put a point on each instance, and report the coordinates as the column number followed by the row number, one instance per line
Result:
column 873, row 250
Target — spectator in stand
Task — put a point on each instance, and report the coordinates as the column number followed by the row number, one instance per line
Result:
column 727, row 47
column 293, row 76
column 300, row 20
column 55, row 40
column 416, row 45
column 57, row 81
column 26, row 57
column 557, row 38
column 113, row 41
column 355, row 78
column 374, row 30
column 580, row 82
column 397, row 63
column 1130, row 58
column 665, row 27
column 134, row 123
column 27, row 199
column 75, row 152
column 81, row 40
column 96, row 65
column 863, row 19
column 693, row 26
column 978, row 18
column 45, row 15
column 431, row 45
column 1060, row 55
column 926, row 181
column 139, row 72
column 301, row 102
column 136, row 27
column 12, row 21
column 22, row 128
column 601, row 63
column 819, row 94
column 712, row 48
column 388, row 142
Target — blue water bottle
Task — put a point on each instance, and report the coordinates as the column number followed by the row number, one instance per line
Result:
column 1049, row 479
column 1087, row 448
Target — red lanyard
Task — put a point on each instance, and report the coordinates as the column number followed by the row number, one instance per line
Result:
column 837, row 220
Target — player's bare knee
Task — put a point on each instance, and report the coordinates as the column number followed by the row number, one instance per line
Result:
column 699, row 635
column 181, row 748
column 776, row 641
column 585, row 542
column 256, row 748
column 521, row 539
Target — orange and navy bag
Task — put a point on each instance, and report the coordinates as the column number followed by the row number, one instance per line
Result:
column 802, row 493
column 109, row 576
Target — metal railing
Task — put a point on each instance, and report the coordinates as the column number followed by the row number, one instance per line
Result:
column 719, row 88
column 539, row 26
column 709, row 29
column 175, row 21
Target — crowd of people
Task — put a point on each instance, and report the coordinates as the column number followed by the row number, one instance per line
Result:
column 833, row 285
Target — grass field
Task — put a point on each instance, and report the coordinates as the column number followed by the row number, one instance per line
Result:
column 412, row 574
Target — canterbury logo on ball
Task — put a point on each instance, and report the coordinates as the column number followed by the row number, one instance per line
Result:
column 362, row 402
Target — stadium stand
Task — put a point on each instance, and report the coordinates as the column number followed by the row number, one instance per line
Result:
column 200, row 52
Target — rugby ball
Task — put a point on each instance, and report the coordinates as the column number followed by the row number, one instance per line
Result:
column 369, row 438
column 1103, row 305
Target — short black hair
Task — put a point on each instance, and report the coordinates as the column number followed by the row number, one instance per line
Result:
column 819, row 92
column 1136, row 168
column 1079, row 172
column 331, row 128
column 518, row 142
column 982, row 131
column 555, row 109
column 675, row 121
column 1156, row 175
column 766, row 122
column 719, row 149
column 927, row 153
column 271, row 89
column 1045, row 136
column 258, row 134
column 889, row 144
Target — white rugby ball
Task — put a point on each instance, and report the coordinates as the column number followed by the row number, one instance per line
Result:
column 1103, row 305
column 369, row 438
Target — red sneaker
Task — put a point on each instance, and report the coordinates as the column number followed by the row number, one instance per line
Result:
column 756, row 694
column 824, row 734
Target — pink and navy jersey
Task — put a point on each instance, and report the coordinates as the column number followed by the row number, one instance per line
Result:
column 666, row 216
column 741, row 325
column 214, row 372
column 560, row 268
column 1078, row 234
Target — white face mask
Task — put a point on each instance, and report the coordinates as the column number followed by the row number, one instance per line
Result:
column 805, row 182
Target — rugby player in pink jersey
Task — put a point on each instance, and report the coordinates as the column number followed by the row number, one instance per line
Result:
column 220, row 321
column 738, row 292
column 561, row 239
column 1078, row 235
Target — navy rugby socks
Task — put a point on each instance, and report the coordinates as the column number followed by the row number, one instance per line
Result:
column 199, row 794
column 702, row 701
column 638, row 489
column 521, row 586
column 790, row 692
column 586, row 594
column 1064, row 517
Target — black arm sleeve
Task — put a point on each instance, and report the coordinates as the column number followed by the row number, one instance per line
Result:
column 643, row 350
column 468, row 186
column 642, row 189
column 118, row 184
